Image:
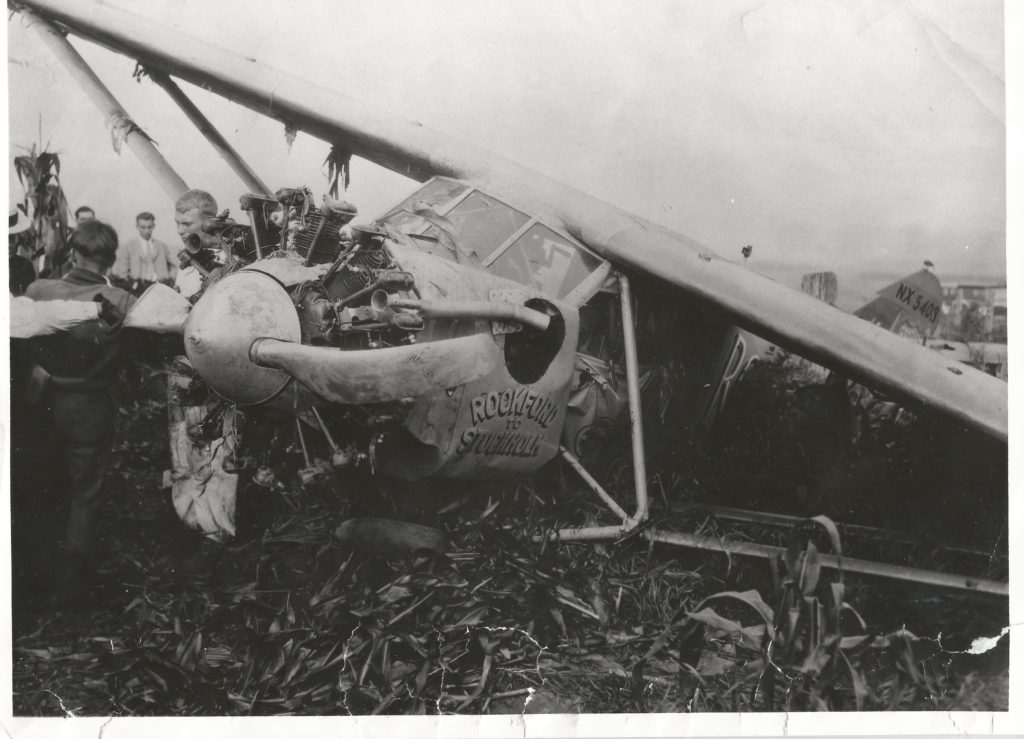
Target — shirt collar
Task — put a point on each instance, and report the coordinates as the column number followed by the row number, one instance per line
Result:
column 86, row 277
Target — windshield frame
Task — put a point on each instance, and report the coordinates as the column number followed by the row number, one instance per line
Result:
column 576, row 296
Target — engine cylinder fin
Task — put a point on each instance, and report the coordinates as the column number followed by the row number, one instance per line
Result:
column 356, row 275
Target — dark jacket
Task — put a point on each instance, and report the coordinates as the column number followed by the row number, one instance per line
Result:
column 89, row 351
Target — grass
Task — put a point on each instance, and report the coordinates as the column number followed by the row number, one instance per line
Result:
column 286, row 621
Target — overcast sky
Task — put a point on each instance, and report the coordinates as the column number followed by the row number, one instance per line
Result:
column 829, row 134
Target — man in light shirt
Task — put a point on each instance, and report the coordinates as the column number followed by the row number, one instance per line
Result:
column 145, row 260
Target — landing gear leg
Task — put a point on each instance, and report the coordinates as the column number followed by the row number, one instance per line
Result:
column 636, row 429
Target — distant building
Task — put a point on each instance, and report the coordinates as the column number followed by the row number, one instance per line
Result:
column 998, row 326
column 973, row 308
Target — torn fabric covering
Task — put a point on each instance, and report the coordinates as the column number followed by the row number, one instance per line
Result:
column 447, row 233
column 121, row 126
column 203, row 494
column 597, row 399
column 339, row 167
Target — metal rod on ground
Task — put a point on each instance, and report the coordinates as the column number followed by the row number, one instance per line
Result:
column 115, row 115
column 636, row 425
column 764, row 551
column 593, row 484
column 780, row 519
column 200, row 121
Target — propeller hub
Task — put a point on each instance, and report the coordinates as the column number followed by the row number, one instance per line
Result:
column 231, row 314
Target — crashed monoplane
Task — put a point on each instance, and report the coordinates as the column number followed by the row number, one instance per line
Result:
column 488, row 323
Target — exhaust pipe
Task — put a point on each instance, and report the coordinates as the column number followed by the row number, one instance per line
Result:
column 477, row 309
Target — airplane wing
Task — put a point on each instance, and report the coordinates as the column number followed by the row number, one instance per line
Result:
column 795, row 321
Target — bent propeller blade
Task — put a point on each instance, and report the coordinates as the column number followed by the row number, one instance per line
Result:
column 159, row 309
column 381, row 375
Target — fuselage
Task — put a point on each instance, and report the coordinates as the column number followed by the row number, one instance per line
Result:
column 367, row 337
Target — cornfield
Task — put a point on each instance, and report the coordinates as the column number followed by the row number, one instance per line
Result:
column 286, row 620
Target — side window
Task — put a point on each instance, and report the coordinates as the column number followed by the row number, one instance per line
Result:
column 483, row 223
column 545, row 261
column 601, row 327
column 437, row 194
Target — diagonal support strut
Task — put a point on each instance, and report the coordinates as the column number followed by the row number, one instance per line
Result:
column 227, row 152
column 112, row 110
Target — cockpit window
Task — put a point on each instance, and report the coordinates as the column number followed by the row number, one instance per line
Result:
column 450, row 220
column 436, row 194
column 545, row 261
column 483, row 223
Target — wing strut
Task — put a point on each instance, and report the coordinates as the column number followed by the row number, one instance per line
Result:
column 116, row 116
column 636, row 429
column 217, row 141
column 636, row 423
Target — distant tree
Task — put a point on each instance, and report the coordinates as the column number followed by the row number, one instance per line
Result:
column 974, row 335
column 999, row 331
column 972, row 325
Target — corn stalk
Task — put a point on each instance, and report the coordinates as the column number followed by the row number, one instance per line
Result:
column 798, row 654
column 39, row 173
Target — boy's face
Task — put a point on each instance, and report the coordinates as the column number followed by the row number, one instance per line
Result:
column 191, row 222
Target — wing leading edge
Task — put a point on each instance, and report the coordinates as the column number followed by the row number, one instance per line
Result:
column 795, row 321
